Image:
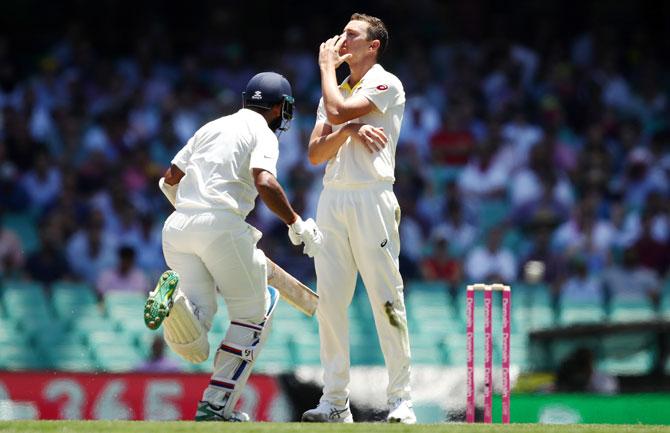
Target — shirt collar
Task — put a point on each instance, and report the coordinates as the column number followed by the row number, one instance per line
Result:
column 346, row 86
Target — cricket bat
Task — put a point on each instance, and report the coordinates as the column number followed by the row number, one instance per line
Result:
column 292, row 291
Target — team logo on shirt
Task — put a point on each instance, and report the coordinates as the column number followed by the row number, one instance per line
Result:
column 382, row 87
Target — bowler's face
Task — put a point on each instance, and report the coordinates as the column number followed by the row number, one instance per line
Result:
column 355, row 42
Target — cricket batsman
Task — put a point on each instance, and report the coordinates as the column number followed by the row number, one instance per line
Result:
column 213, row 182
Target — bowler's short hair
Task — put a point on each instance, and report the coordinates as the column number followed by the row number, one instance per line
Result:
column 376, row 30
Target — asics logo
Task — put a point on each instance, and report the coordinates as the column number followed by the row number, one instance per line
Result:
column 335, row 413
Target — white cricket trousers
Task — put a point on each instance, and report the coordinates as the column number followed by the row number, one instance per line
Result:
column 217, row 249
column 360, row 227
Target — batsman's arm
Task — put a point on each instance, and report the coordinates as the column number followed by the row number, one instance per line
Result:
column 273, row 195
column 170, row 181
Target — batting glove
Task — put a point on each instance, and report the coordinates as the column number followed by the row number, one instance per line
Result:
column 307, row 233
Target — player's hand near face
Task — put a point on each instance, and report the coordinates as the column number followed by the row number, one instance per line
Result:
column 373, row 138
column 329, row 52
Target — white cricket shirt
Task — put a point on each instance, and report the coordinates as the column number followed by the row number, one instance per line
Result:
column 353, row 164
column 218, row 162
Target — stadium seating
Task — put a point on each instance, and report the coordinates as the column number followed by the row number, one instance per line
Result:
column 581, row 311
column 635, row 364
column 87, row 335
column 632, row 311
column 304, row 348
column 70, row 356
column 72, row 299
column 23, row 299
column 665, row 303
column 426, row 349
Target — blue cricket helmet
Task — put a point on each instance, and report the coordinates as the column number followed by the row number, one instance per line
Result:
column 267, row 89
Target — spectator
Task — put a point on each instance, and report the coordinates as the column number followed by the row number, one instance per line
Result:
column 158, row 362
column 491, row 263
column 412, row 234
column 148, row 244
column 11, row 249
column 522, row 135
column 580, row 285
column 595, row 162
column 419, row 125
column 42, row 182
column 588, row 134
column 453, row 143
column 461, row 233
column 638, row 181
column 90, row 250
column 13, row 196
column 529, row 183
column 125, row 276
column 485, row 176
column 540, row 251
column 441, row 265
column 577, row 373
column 48, row 264
column 431, row 200
column 546, row 210
column 586, row 236
column 414, row 226
column 651, row 253
column 629, row 280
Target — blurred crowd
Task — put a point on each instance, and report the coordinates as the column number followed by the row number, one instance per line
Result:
column 551, row 150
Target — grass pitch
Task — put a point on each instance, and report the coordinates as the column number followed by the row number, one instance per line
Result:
column 192, row 427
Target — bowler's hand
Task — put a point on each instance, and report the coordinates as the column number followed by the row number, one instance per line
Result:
column 373, row 138
column 329, row 53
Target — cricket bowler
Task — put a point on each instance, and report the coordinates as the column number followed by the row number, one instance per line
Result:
column 356, row 132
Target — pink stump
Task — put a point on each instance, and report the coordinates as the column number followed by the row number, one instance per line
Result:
column 488, row 356
column 506, row 328
column 470, row 343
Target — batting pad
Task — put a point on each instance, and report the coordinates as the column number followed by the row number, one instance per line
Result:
column 235, row 358
column 184, row 334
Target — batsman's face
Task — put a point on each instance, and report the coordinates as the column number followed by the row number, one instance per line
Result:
column 355, row 40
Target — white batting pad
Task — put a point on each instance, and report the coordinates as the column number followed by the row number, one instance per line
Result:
column 235, row 358
column 184, row 334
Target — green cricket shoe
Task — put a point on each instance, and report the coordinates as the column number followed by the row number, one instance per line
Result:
column 159, row 302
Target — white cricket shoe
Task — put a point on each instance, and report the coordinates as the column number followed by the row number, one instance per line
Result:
column 328, row 412
column 210, row 412
column 401, row 411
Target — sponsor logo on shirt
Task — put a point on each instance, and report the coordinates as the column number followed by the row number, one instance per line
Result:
column 382, row 87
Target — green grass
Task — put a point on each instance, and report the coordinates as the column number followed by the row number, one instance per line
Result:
column 191, row 427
